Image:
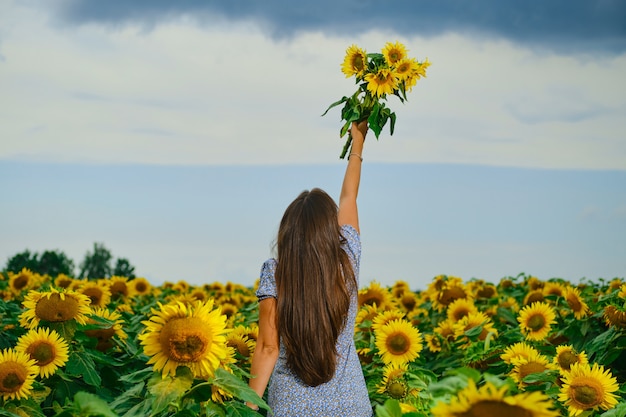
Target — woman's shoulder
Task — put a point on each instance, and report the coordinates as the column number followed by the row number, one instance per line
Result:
column 267, row 282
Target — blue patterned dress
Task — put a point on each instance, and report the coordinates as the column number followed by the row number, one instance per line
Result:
column 345, row 395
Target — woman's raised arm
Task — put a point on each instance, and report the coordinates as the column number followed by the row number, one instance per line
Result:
column 348, row 212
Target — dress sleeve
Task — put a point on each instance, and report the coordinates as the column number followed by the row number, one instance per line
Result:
column 267, row 282
column 353, row 245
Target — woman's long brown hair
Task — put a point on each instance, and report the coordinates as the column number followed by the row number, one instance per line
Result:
column 314, row 279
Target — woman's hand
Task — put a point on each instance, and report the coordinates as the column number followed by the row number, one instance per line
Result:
column 359, row 129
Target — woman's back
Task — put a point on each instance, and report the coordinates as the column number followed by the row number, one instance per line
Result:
column 346, row 393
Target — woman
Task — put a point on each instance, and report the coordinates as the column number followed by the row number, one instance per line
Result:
column 308, row 303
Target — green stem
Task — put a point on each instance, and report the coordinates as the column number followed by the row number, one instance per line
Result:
column 346, row 146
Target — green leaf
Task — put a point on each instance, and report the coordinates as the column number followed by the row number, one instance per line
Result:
column 391, row 408
column 507, row 315
column 81, row 364
column 90, row 405
column 230, row 383
column 618, row 411
column 240, row 410
column 214, row 410
column 336, row 103
column 392, row 125
column 138, row 376
column 168, row 389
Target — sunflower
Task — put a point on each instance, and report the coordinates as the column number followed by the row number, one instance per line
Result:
column 22, row 281
column 534, row 283
column 575, row 302
column 393, row 383
column 553, row 288
column 375, row 295
column 382, row 82
column 615, row 284
column 587, row 388
column 199, row 294
column 366, row 356
column 418, row 73
column 535, row 363
column 446, row 291
column 613, row 316
column 394, row 53
column 63, row 281
column 509, row 303
column 536, row 320
column 433, row 341
column 47, row 348
column 104, row 335
column 399, row 288
column 622, row 291
column 186, row 335
column 533, row 297
column 140, row 286
column 229, row 310
column 54, row 307
column 566, row 356
column 385, row 317
column 472, row 321
column 242, row 344
column 355, row 62
column 446, row 330
column 490, row 401
column 486, row 291
column 517, row 351
column 119, row 288
column 98, row 292
column 17, row 374
column 460, row 308
column 409, row 301
column 398, row 342
column 406, row 67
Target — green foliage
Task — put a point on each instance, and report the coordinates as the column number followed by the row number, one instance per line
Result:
column 96, row 264
column 50, row 263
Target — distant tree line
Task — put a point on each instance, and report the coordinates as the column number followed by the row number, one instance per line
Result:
column 97, row 264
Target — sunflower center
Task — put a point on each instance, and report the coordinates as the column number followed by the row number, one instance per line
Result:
column 489, row 408
column 12, row 376
column 536, row 322
column 574, row 303
column 459, row 313
column 486, row 292
column 398, row 344
column 566, row 359
column 119, row 289
column 373, row 299
column 533, row 297
column 141, row 287
column 530, row 368
column 358, row 63
column 451, row 294
column 409, row 302
column 43, row 353
column 586, row 395
column 94, row 294
column 20, row 282
column 241, row 347
column 54, row 309
column 63, row 283
column 396, row 389
column 185, row 339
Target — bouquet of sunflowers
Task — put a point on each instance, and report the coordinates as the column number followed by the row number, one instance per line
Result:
column 378, row 75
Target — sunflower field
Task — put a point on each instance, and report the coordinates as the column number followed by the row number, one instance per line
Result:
column 121, row 347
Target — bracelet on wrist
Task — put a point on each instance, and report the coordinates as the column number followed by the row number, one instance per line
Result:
column 355, row 154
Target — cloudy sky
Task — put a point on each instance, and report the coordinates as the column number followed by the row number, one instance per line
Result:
column 177, row 132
